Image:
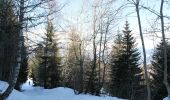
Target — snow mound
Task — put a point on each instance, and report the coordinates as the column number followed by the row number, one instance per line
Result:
column 166, row 98
column 3, row 86
column 60, row 93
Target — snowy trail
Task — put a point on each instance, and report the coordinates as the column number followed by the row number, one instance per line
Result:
column 60, row 93
column 53, row 94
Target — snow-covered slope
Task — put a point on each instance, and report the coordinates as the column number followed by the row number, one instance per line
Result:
column 60, row 93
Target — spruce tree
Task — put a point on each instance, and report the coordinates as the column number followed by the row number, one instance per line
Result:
column 92, row 79
column 125, row 66
column 132, row 57
column 9, row 39
column 34, row 65
column 158, row 88
column 50, row 65
column 46, row 64
column 115, row 62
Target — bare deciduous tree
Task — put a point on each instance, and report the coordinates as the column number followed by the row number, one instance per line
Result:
column 164, row 49
column 136, row 4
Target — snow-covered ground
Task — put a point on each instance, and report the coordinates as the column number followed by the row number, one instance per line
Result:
column 38, row 93
column 3, row 86
column 60, row 93
column 166, row 98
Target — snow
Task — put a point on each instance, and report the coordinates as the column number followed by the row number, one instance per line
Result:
column 166, row 98
column 28, row 85
column 3, row 86
column 60, row 93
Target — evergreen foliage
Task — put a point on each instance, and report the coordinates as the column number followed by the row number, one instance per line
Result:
column 9, row 39
column 46, row 72
column 92, row 83
column 50, row 65
column 34, row 67
column 125, row 71
column 158, row 88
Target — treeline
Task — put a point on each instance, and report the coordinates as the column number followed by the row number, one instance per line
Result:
column 87, row 64
column 123, row 75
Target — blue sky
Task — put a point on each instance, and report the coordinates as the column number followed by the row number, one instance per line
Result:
column 71, row 12
column 70, row 16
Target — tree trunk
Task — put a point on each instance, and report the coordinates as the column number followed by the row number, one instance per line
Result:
column 90, row 87
column 144, row 53
column 21, row 42
column 100, row 50
column 103, row 51
column 81, row 72
column 165, row 81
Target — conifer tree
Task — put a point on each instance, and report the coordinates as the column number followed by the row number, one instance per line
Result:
column 9, row 41
column 9, row 38
column 125, row 66
column 34, row 65
column 46, row 64
column 115, row 62
column 50, row 65
column 158, row 88
column 92, row 84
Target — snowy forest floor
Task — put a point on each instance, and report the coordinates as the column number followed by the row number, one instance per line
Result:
column 60, row 93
